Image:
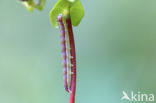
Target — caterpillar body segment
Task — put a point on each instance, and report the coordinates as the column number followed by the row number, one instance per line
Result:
column 66, row 52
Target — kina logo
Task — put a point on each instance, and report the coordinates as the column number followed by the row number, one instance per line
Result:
column 138, row 96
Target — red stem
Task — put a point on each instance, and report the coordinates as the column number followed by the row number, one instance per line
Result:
column 73, row 61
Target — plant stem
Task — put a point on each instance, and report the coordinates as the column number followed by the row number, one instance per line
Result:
column 73, row 61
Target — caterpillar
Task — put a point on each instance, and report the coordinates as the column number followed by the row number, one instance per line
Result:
column 66, row 53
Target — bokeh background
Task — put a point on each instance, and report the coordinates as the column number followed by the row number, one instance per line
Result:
column 115, row 45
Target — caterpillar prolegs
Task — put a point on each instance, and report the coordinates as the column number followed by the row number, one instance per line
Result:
column 68, row 55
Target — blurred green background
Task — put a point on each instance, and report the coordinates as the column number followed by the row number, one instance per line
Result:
column 115, row 45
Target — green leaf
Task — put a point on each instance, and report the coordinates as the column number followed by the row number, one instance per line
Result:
column 61, row 7
column 40, row 5
column 67, row 8
column 76, row 13
column 28, row 7
column 31, row 4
